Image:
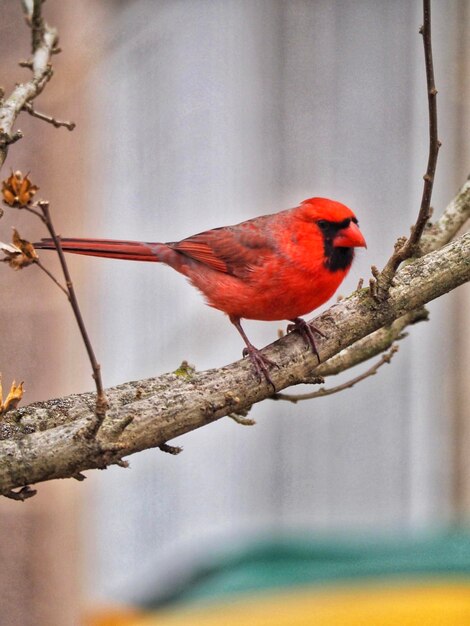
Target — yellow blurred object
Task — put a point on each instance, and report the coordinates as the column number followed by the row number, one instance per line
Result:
column 425, row 604
column 112, row 616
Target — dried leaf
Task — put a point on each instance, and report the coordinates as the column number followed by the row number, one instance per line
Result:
column 18, row 190
column 13, row 398
column 9, row 248
column 24, row 245
column 20, row 253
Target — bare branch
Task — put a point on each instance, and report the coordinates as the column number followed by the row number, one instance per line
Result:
column 410, row 246
column 319, row 393
column 51, row 276
column 37, row 24
column 157, row 410
column 44, row 39
column 28, row 7
column 47, row 118
column 101, row 401
column 18, row 191
column 454, row 218
column 165, row 407
column 370, row 346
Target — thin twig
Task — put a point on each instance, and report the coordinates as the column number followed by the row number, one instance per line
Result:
column 370, row 346
column 41, row 211
column 409, row 248
column 52, row 277
column 33, row 211
column 101, row 400
column 386, row 358
column 47, row 118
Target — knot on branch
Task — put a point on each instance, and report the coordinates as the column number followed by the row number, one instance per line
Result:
column 22, row 494
column 379, row 286
column 6, row 139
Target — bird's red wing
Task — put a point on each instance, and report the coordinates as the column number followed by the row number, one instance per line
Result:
column 200, row 251
column 233, row 250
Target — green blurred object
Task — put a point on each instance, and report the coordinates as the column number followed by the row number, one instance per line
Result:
column 287, row 562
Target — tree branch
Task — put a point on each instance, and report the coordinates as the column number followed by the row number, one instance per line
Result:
column 149, row 413
column 370, row 346
column 454, row 218
column 28, row 107
column 436, row 235
column 101, row 401
column 50, row 440
column 407, row 248
column 329, row 391
column 44, row 39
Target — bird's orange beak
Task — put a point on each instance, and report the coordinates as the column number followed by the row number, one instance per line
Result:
column 350, row 237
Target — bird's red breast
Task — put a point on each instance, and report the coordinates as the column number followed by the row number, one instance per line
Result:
column 274, row 267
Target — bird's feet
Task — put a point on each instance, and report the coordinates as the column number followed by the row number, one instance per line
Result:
column 307, row 331
column 261, row 363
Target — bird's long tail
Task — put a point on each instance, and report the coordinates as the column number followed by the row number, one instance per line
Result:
column 109, row 248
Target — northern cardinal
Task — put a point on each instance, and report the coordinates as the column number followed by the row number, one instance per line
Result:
column 272, row 267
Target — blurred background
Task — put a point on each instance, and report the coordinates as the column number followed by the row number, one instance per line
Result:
column 199, row 113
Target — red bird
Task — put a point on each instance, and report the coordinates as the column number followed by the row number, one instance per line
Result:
column 271, row 267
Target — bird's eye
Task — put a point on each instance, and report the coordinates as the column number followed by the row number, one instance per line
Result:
column 322, row 224
column 355, row 220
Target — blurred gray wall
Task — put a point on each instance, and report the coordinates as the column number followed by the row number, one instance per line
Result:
column 208, row 112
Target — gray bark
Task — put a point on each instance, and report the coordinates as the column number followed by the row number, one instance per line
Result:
column 49, row 440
